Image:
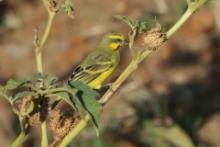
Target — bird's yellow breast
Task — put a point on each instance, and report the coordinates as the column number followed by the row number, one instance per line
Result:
column 97, row 83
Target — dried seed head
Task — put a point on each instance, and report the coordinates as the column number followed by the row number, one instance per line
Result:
column 151, row 39
column 60, row 124
column 55, row 5
column 24, row 106
column 34, row 119
column 40, row 112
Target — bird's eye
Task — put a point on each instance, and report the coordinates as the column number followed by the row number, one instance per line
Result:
column 117, row 40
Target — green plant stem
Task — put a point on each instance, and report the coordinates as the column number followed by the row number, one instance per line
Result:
column 82, row 124
column 48, row 28
column 192, row 7
column 21, row 137
column 129, row 70
column 44, row 140
column 181, row 21
column 38, row 52
column 38, row 49
column 19, row 140
column 39, row 63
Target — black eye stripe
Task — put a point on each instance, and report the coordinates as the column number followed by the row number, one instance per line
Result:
column 117, row 40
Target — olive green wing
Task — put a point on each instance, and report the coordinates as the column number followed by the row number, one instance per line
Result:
column 92, row 67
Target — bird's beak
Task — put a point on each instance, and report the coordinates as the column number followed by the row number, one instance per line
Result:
column 125, row 43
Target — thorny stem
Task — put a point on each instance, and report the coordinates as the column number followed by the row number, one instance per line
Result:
column 192, row 7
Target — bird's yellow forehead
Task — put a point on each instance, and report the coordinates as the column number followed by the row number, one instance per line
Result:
column 116, row 36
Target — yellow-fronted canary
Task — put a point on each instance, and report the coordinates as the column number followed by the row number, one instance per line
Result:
column 100, row 63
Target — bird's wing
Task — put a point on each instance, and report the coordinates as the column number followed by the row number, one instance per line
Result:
column 94, row 65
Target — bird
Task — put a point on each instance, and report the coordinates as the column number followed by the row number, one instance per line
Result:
column 100, row 63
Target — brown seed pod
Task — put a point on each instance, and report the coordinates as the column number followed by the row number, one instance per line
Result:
column 61, row 123
column 40, row 112
column 151, row 39
column 24, row 106
column 34, row 119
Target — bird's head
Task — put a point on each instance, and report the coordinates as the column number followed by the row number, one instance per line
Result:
column 112, row 41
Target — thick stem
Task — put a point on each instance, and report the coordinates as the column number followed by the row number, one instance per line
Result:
column 192, row 7
column 19, row 140
column 44, row 140
column 179, row 23
column 38, row 56
column 130, row 68
column 22, row 136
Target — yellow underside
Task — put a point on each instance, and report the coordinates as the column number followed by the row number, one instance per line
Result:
column 97, row 83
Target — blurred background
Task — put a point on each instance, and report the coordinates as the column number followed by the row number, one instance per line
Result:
column 172, row 100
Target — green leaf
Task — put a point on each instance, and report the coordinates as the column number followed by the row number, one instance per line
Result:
column 87, row 97
column 84, row 88
column 51, row 80
column 13, row 84
column 27, row 105
column 68, row 7
column 140, row 25
column 4, row 94
column 131, row 23
column 66, row 97
column 144, row 26
column 22, row 94
column 71, row 99
column 37, row 76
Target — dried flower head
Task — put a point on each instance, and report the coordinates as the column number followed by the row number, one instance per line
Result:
column 151, row 39
column 24, row 106
column 39, row 113
column 61, row 123
column 34, row 119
